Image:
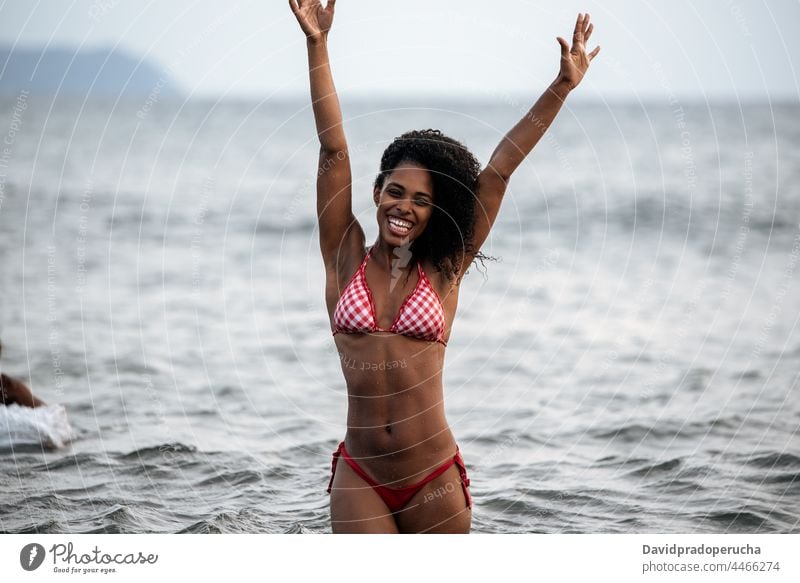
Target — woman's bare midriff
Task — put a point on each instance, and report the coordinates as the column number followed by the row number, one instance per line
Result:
column 396, row 426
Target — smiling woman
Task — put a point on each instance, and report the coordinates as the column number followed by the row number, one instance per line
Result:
column 403, row 470
column 429, row 180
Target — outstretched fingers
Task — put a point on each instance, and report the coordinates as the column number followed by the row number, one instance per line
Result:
column 577, row 35
column 578, row 24
column 588, row 34
column 588, row 28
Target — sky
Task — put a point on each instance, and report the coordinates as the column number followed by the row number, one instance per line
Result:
column 738, row 49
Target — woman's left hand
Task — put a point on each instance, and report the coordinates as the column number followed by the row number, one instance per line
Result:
column 575, row 61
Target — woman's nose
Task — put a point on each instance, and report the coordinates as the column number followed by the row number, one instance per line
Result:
column 404, row 206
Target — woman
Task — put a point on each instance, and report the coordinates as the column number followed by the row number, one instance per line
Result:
column 392, row 305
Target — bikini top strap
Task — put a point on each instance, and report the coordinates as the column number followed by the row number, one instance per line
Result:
column 421, row 271
column 366, row 258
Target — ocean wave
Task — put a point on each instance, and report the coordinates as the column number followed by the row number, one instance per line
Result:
column 82, row 460
column 46, row 427
column 243, row 521
column 236, row 478
column 45, row 527
column 658, row 468
column 159, row 451
column 774, row 460
column 743, row 520
column 786, row 478
column 668, row 429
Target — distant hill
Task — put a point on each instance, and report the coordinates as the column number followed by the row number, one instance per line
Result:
column 103, row 71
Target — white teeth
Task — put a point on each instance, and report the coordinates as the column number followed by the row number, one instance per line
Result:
column 399, row 226
column 400, row 223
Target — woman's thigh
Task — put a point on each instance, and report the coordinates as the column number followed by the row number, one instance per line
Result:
column 440, row 507
column 355, row 506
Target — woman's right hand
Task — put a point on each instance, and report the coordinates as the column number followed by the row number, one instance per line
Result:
column 313, row 18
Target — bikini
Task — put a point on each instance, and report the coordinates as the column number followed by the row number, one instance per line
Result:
column 421, row 316
column 397, row 498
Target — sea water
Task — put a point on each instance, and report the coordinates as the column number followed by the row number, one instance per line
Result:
column 629, row 364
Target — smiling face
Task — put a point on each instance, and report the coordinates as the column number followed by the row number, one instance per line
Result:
column 405, row 203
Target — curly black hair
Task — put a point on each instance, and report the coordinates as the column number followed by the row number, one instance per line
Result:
column 454, row 171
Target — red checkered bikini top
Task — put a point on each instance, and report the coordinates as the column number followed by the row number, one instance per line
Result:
column 421, row 314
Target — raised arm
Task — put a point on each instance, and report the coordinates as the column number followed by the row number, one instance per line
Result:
column 521, row 139
column 337, row 225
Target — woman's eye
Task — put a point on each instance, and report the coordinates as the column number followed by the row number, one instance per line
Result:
column 394, row 192
column 422, row 202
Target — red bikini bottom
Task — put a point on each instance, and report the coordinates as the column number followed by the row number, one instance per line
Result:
column 397, row 498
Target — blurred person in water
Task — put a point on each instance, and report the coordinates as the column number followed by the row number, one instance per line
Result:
column 14, row 391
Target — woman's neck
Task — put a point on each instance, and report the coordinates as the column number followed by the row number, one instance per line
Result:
column 392, row 258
